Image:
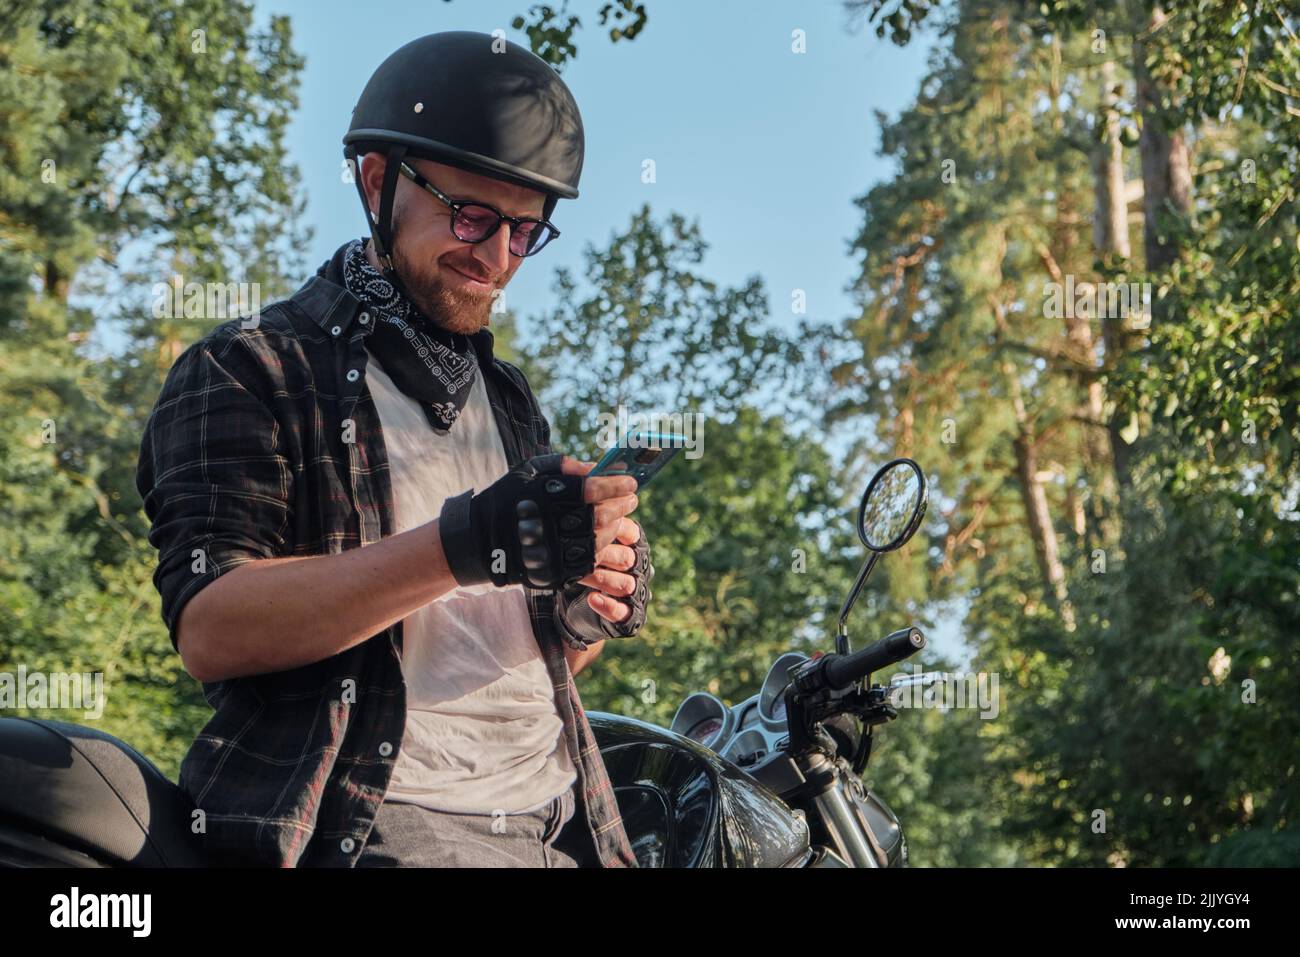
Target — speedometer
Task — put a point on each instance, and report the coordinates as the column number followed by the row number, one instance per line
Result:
column 704, row 719
column 705, row 731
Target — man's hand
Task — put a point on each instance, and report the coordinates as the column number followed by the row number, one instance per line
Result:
column 615, row 536
column 540, row 525
column 611, row 601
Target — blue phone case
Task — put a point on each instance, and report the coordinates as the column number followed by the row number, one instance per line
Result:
column 641, row 455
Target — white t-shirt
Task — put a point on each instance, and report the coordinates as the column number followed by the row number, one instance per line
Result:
column 482, row 731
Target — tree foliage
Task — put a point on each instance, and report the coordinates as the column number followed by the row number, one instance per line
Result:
column 138, row 138
column 1138, row 729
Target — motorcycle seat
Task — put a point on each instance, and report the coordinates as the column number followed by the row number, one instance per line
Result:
column 69, row 786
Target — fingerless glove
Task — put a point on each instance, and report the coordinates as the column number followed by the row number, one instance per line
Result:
column 580, row 624
column 531, row 528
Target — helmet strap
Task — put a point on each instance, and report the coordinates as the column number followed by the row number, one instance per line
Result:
column 381, row 227
column 396, row 154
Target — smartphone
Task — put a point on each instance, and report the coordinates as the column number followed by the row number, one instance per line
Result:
column 641, row 455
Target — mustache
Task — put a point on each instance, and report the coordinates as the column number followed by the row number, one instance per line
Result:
column 474, row 274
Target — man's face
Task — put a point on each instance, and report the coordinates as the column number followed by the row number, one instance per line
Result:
column 433, row 264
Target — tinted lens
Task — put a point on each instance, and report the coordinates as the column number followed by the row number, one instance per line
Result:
column 474, row 223
column 527, row 238
column 530, row 238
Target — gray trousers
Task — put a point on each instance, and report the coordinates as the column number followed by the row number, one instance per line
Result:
column 407, row 835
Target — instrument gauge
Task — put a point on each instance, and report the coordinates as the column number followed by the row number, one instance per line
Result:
column 771, row 698
column 704, row 719
column 705, row 731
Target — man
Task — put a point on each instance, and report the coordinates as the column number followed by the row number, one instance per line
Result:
column 368, row 552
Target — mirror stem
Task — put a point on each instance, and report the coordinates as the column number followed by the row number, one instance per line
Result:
column 842, row 635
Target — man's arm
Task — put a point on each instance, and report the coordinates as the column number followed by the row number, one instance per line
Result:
column 280, row 613
column 580, row 659
column 274, row 614
column 216, row 477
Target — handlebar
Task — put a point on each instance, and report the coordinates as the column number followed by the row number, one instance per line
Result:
column 842, row 671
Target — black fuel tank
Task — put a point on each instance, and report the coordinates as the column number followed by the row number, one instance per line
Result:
column 684, row 806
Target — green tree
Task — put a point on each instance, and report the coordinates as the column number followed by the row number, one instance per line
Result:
column 137, row 139
column 1136, row 705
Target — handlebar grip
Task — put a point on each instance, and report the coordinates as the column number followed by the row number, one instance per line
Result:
column 842, row 672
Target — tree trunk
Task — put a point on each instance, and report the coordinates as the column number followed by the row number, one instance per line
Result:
column 1166, row 189
column 1111, row 240
column 1110, row 223
column 1039, row 517
column 1037, row 513
column 56, row 284
column 1166, row 163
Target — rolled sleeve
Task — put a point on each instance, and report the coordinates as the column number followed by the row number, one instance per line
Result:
column 214, row 482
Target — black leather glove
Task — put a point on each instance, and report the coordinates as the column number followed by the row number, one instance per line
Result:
column 531, row 528
column 580, row 625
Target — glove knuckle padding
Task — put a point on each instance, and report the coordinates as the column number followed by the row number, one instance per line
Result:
column 534, row 515
column 642, row 563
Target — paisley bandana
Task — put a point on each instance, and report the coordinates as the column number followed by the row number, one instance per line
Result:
column 431, row 365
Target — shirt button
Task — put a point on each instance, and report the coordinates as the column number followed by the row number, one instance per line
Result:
column 385, row 749
column 364, row 318
column 353, row 375
column 336, row 330
column 346, row 845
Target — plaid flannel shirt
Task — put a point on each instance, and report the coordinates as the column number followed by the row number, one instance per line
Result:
column 265, row 442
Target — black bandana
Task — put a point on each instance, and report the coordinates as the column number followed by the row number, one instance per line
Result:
column 431, row 365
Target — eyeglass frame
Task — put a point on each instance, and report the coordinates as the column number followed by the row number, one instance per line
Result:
column 457, row 204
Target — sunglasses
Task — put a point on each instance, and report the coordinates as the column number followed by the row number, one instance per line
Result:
column 475, row 222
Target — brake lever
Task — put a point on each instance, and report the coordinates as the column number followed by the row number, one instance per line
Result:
column 877, row 708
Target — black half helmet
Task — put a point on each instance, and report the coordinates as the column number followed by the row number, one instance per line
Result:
column 471, row 100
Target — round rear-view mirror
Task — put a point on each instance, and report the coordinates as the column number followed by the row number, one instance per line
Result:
column 892, row 506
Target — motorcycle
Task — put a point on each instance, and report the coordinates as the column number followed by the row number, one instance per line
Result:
column 773, row 781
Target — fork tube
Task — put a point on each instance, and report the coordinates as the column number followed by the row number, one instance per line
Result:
column 835, row 813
